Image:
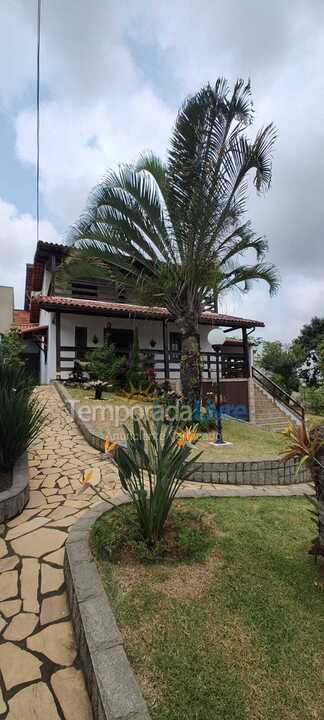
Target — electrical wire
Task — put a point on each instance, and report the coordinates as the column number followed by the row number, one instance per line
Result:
column 37, row 114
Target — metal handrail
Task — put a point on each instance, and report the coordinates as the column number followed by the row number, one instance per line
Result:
column 278, row 393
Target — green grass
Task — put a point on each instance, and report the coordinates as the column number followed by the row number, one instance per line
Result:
column 238, row 637
column 248, row 441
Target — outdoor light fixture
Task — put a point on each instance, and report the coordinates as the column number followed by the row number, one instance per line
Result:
column 216, row 339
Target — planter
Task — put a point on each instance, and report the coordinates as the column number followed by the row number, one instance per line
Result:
column 14, row 499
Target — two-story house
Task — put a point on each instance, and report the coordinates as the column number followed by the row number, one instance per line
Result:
column 67, row 318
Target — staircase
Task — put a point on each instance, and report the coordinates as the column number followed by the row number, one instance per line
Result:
column 274, row 408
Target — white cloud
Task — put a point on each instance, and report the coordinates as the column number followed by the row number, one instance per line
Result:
column 78, row 145
column 102, row 105
column 17, row 246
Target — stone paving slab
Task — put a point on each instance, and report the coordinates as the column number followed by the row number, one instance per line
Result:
column 37, row 647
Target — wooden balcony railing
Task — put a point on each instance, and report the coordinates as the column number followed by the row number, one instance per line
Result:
column 166, row 364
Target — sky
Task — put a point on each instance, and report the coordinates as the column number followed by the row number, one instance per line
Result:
column 112, row 78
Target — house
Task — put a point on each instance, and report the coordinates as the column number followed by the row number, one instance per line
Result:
column 67, row 318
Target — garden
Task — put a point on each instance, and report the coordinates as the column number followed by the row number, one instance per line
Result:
column 229, row 622
column 219, row 606
column 21, row 413
column 114, row 390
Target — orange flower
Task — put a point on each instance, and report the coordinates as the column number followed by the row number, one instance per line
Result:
column 188, row 435
column 109, row 446
column 86, row 477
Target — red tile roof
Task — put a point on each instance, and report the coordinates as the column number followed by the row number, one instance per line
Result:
column 96, row 307
column 21, row 317
column 22, row 323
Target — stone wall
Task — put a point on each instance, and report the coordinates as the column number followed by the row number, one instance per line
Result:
column 14, row 499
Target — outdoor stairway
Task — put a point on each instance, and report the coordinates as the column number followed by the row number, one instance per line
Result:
column 268, row 415
column 274, row 408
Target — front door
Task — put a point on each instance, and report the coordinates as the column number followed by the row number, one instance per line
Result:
column 80, row 342
column 122, row 340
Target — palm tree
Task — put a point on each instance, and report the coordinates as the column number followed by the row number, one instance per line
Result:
column 176, row 231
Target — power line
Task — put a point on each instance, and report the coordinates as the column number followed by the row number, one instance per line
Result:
column 37, row 114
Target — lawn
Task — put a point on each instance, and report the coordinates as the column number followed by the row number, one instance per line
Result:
column 248, row 441
column 238, row 636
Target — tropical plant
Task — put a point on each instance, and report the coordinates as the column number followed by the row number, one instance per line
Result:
column 15, row 376
column 308, row 448
column 103, row 364
column 152, row 467
column 175, row 232
column 21, row 415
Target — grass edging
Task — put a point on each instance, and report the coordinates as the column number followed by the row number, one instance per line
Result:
column 112, row 686
column 14, row 499
column 233, row 472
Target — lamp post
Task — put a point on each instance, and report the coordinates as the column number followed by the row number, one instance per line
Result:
column 216, row 339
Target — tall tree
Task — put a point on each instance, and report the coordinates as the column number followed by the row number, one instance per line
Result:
column 309, row 346
column 281, row 363
column 176, row 231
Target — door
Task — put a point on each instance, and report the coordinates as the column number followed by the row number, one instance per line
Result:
column 122, row 340
column 80, row 342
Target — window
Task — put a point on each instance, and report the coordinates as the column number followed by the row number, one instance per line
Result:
column 82, row 289
column 175, row 346
column 80, row 342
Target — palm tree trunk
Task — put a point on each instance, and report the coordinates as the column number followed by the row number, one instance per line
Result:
column 317, row 473
column 190, row 369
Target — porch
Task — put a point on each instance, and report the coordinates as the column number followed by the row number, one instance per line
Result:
column 77, row 326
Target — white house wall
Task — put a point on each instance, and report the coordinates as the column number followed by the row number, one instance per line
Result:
column 148, row 330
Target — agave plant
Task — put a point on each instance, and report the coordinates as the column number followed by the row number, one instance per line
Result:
column 152, row 467
column 21, row 418
column 308, row 447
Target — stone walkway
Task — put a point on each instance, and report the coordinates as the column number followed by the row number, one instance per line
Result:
column 40, row 670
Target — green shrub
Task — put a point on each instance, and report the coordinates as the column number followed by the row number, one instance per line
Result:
column 313, row 399
column 11, row 349
column 21, row 415
column 102, row 364
column 21, row 418
column 152, row 467
column 15, row 376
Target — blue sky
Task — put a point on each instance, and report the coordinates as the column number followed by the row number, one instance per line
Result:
column 112, row 79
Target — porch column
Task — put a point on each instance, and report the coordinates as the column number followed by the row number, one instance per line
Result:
column 165, row 350
column 58, row 340
column 246, row 353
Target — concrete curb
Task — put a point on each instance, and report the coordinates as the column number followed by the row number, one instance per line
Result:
column 13, row 500
column 112, row 686
column 246, row 472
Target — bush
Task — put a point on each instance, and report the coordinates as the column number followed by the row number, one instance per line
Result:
column 152, row 467
column 15, row 376
column 102, row 364
column 313, row 399
column 11, row 349
column 21, row 416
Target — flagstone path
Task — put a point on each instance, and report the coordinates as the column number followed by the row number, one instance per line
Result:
column 40, row 675
column 40, row 670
